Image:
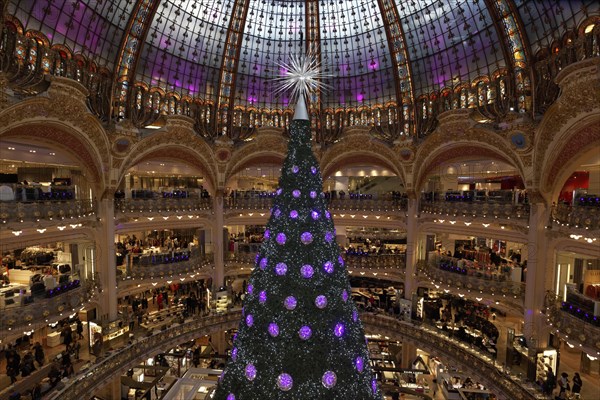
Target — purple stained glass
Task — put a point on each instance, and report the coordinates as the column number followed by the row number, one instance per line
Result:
column 296, row 193
column 281, row 238
column 262, row 297
column 295, row 169
column 328, row 237
column 290, row 302
column 314, row 215
column 267, row 234
column 313, row 170
column 359, row 363
column 277, row 212
column 321, row 301
column 250, row 372
column 329, row 379
column 307, row 271
column 341, row 260
column 273, row 329
column 280, row 269
column 305, row 332
column 374, row 385
column 313, row 194
column 306, row 238
column 354, row 316
column 293, row 214
column 339, row 330
column 285, row 382
column 250, row 289
column 263, row 263
column 345, row 295
column 230, row 396
column 249, row 320
column 234, row 353
column 327, row 214
column 328, row 267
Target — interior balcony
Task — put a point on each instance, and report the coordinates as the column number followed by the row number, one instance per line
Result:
column 133, row 209
column 450, row 275
column 46, row 214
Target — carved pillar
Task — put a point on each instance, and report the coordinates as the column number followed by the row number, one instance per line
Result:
column 107, row 268
column 535, row 286
column 410, row 279
column 218, row 242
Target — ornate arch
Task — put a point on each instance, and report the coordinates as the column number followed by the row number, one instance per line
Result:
column 162, row 146
column 457, row 139
column 577, row 144
column 363, row 147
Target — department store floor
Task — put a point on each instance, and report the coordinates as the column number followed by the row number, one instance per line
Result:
column 569, row 362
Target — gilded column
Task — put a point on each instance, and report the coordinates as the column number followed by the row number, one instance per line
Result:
column 107, row 267
column 412, row 236
column 218, row 242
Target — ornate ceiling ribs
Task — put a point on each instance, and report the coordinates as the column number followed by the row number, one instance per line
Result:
column 402, row 74
column 229, row 66
column 313, row 46
column 129, row 52
column 513, row 36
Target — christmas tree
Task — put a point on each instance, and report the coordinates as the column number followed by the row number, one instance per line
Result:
column 300, row 337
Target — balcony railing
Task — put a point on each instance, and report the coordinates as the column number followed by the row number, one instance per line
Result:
column 34, row 315
column 47, row 212
column 364, row 204
column 196, row 264
column 165, row 207
column 585, row 218
column 477, row 281
column 490, row 211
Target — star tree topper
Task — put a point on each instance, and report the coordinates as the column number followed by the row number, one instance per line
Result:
column 302, row 76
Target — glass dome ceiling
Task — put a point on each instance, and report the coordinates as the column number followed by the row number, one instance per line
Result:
column 376, row 51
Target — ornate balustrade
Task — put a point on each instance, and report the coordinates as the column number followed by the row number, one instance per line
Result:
column 165, row 207
column 248, row 203
column 505, row 291
column 575, row 331
column 196, row 264
column 485, row 211
column 478, row 365
column 386, row 266
column 347, row 204
column 585, row 218
column 47, row 213
column 36, row 314
column 481, row 366
column 101, row 373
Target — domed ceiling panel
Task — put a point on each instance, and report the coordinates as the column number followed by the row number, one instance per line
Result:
column 93, row 28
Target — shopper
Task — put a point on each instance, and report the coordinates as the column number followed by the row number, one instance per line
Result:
column 550, row 382
column 11, row 371
column 79, row 329
column 38, row 352
column 577, row 383
column 563, row 382
column 54, row 375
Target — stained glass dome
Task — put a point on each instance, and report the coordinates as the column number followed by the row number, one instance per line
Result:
column 377, row 52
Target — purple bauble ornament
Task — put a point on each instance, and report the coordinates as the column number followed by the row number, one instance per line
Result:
column 359, row 363
column 306, row 238
column 280, row 269
column 277, row 213
column 314, row 215
column 230, row 396
column 295, row 169
column 321, row 301
column 305, row 332
column 281, row 238
column 328, row 237
column 250, row 372
column 262, row 297
column 345, row 295
column 374, row 386
column 267, row 234
column 307, row 271
column 293, row 214
column 296, row 193
column 273, row 329
column 290, row 302
column 313, row 170
column 263, row 263
column 329, row 379
column 234, row 353
column 341, row 260
column 339, row 330
column 279, row 191
column 249, row 320
column 250, row 289
column 354, row 316
column 313, row 194
column 328, row 267
column 327, row 214
column 285, row 382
